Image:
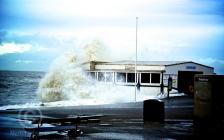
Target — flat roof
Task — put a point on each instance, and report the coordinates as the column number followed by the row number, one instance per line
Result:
column 154, row 63
column 147, row 63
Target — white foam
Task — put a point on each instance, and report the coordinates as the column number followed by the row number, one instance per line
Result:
column 68, row 83
column 20, row 106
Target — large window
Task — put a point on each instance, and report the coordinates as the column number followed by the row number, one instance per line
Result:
column 145, row 77
column 92, row 75
column 109, row 77
column 131, row 77
column 101, row 76
column 155, row 78
column 121, row 77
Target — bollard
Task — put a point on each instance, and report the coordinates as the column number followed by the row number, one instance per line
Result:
column 153, row 111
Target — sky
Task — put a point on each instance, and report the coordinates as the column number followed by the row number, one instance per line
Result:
column 33, row 33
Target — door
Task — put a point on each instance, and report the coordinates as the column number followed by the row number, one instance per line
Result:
column 186, row 81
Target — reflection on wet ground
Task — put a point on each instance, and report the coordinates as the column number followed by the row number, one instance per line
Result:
column 121, row 122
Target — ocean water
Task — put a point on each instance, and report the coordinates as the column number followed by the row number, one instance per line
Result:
column 66, row 86
column 19, row 87
column 22, row 89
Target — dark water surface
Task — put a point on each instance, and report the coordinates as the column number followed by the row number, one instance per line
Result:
column 19, row 87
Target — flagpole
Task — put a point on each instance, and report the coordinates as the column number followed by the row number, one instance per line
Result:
column 136, row 56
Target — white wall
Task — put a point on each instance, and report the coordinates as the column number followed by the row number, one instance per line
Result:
column 173, row 69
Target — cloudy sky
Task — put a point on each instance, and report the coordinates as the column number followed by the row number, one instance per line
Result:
column 35, row 32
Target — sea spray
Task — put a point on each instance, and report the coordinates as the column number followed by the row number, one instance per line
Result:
column 95, row 51
column 67, row 83
column 66, row 79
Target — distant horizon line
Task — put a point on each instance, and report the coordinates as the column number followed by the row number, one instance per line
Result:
column 4, row 70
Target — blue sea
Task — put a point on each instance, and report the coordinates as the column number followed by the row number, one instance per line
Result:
column 19, row 87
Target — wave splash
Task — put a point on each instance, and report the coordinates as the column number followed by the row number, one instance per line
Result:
column 67, row 81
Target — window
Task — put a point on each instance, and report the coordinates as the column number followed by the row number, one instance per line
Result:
column 92, row 75
column 145, row 77
column 121, row 77
column 155, row 78
column 101, row 76
column 131, row 78
column 109, row 77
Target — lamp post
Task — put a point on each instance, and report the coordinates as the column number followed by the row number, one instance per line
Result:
column 136, row 56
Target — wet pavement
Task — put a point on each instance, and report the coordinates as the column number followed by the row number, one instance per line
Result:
column 119, row 121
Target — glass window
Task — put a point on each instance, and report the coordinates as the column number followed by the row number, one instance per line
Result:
column 92, row 75
column 155, row 78
column 145, row 77
column 120, row 77
column 109, row 77
column 131, row 78
column 101, row 76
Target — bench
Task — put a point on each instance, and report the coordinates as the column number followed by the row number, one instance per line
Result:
column 72, row 130
column 69, row 124
column 52, row 128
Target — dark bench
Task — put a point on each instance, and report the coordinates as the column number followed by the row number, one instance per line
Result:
column 51, row 128
column 74, row 120
column 61, row 124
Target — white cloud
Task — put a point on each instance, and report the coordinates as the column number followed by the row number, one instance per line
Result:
column 7, row 48
column 70, row 13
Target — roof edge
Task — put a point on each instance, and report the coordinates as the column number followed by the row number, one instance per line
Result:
column 177, row 63
column 189, row 62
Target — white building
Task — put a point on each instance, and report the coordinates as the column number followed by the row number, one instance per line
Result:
column 149, row 73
